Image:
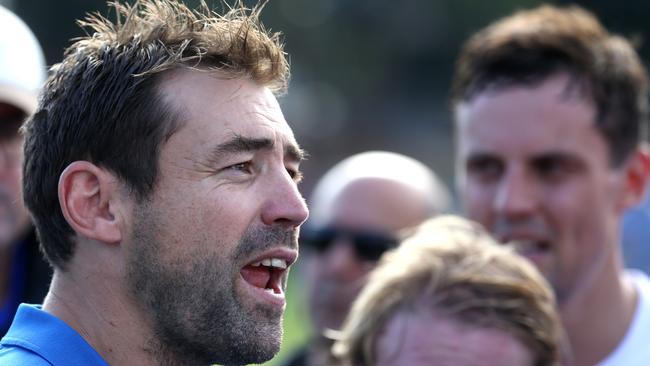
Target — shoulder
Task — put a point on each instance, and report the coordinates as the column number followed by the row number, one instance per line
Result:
column 633, row 349
column 43, row 339
column 10, row 356
column 642, row 283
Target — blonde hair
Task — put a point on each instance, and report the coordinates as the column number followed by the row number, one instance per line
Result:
column 454, row 266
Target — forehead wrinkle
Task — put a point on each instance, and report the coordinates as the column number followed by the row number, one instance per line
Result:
column 263, row 112
column 293, row 152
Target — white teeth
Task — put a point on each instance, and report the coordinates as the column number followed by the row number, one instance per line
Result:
column 279, row 263
column 525, row 246
column 269, row 290
column 271, row 262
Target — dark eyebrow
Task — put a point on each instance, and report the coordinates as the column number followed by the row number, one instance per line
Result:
column 569, row 160
column 295, row 153
column 480, row 157
column 240, row 144
column 560, row 156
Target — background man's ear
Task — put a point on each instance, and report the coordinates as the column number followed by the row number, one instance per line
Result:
column 637, row 174
column 87, row 195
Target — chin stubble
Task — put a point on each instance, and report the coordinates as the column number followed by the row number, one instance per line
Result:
column 196, row 314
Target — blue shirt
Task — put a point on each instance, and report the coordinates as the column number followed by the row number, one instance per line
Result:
column 636, row 237
column 37, row 338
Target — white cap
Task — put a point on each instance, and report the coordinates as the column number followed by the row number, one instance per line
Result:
column 22, row 64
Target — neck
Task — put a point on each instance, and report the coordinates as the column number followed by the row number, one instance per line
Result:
column 96, row 307
column 597, row 322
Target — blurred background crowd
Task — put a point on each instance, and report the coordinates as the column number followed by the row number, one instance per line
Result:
column 368, row 75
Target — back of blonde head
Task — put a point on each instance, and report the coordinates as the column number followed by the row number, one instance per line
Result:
column 454, row 267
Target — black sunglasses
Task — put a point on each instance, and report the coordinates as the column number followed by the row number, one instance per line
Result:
column 368, row 245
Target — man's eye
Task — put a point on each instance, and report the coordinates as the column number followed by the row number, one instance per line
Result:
column 553, row 169
column 295, row 174
column 484, row 168
column 245, row 167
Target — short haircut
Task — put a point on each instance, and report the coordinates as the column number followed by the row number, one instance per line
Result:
column 531, row 46
column 455, row 267
column 102, row 103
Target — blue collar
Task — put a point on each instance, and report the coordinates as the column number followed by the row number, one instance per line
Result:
column 49, row 337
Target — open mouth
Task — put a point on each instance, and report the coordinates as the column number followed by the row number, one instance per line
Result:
column 266, row 274
column 527, row 247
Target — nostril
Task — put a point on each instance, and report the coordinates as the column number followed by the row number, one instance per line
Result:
column 285, row 222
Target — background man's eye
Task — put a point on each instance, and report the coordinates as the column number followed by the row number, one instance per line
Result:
column 550, row 167
column 555, row 168
column 485, row 168
column 243, row 167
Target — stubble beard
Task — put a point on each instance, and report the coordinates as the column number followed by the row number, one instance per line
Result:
column 191, row 301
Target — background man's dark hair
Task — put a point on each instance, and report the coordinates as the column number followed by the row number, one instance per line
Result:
column 102, row 103
column 530, row 46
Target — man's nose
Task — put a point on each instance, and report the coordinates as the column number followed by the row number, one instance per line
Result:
column 284, row 204
column 516, row 195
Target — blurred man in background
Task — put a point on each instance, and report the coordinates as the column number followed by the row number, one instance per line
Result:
column 24, row 274
column 357, row 209
column 550, row 112
column 450, row 296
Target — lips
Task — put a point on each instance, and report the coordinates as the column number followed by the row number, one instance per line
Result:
column 536, row 251
column 529, row 247
column 267, row 272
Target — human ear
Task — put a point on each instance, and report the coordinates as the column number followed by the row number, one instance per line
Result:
column 88, row 198
column 637, row 174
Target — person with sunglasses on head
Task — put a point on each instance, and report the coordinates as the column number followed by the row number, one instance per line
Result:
column 357, row 210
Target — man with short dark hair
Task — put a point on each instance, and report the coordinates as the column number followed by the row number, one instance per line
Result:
column 162, row 179
column 550, row 113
